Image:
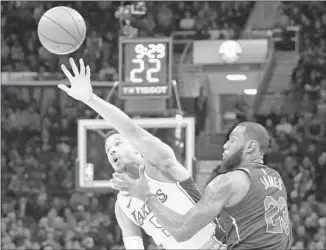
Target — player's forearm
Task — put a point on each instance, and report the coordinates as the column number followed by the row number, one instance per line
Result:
column 113, row 115
column 172, row 221
column 148, row 145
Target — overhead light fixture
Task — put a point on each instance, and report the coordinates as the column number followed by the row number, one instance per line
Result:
column 236, row 77
column 250, row 91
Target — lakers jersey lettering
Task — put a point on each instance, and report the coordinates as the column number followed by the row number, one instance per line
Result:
column 141, row 215
column 176, row 196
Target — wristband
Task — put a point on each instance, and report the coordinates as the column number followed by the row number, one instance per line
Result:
column 133, row 243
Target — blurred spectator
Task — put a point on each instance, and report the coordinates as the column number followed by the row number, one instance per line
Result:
column 315, row 130
column 149, row 24
column 201, row 111
column 164, row 17
column 284, row 126
column 187, row 22
column 107, row 73
column 94, row 44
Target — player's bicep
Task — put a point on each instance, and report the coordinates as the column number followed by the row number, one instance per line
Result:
column 218, row 191
column 150, row 146
column 128, row 228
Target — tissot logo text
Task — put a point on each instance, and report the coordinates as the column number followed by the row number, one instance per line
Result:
column 145, row 90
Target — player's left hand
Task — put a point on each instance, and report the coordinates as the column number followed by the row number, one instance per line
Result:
column 81, row 88
column 137, row 188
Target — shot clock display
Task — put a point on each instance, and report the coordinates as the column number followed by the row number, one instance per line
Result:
column 145, row 68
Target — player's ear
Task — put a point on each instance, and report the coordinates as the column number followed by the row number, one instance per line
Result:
column 251, row 146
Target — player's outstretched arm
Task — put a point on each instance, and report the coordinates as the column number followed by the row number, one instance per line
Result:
column 132, row 236
column 181, row 227
column 184, row 227
column 81, row 89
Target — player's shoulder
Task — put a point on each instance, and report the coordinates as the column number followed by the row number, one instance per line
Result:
column 239, row 179
column 231, row 178
column 238, row 183
column 230, row 181
column 231, row 187
column 257, row 168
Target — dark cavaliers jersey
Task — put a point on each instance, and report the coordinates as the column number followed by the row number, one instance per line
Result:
column 260, row 220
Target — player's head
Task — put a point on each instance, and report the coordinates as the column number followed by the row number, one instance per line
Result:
column 247, row 140
column 121, row 155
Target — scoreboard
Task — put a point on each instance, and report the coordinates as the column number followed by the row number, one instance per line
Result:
column 145, row 67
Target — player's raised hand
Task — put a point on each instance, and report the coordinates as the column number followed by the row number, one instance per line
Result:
column 137, row 188
column 81, row 88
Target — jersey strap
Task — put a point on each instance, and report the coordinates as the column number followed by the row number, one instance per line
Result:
column 190, row 189
column 244, row 169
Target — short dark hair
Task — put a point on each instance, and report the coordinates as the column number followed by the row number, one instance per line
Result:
column 112, row 132
column 257, row 132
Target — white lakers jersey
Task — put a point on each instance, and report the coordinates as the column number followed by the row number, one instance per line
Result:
column 180, row 197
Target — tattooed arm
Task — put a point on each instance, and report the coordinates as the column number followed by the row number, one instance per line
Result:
column 183, row 227
column 225, row 190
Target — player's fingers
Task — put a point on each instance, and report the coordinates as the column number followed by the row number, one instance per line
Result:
column 142, row 171
column 126, row 194
column 74, row 66
column 120, row 182
column 88, row 71
column 66, row 72
column 64, row 88
column 113, row 185
column 121, row 177
column 123, row 189
column 82, row 67
column 117, row 185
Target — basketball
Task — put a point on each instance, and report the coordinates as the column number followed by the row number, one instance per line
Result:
column 61, row 30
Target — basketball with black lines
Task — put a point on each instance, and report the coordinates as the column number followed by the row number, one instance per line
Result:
column 61, row 30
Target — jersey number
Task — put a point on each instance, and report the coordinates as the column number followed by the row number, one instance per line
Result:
column 149, row 73
column 276, row 215
column 156, row 224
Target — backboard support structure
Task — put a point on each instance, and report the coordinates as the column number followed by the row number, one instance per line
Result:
column 85, row 171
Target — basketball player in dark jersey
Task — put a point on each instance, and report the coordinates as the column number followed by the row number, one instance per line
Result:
column 250, row 198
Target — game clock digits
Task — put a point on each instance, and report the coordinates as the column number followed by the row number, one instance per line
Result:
column 145, row 68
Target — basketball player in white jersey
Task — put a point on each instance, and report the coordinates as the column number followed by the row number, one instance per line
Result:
column 131, row 147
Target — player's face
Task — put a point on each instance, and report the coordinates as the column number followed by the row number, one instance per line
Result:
column 233, row 149
column 120, row 153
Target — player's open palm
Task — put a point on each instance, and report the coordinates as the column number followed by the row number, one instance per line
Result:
column 137, row 188
column 81, row 88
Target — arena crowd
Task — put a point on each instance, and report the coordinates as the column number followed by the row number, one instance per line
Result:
column 40, row 207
